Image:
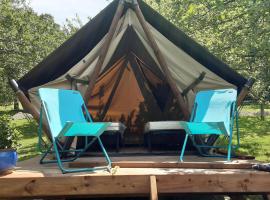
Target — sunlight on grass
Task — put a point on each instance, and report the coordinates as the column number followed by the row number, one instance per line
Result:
column 254, row 108
column 8, row 110
column 254, row 136
column 28, row 138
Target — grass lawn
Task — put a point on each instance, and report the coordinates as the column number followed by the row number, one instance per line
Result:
column 254, row 110
column 255, row 137
column 28, row 138
column 254, row 133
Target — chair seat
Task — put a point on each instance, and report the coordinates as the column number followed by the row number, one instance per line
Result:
column 116, row 127
column 84, row 129
column 162, row 125
column 200, row 128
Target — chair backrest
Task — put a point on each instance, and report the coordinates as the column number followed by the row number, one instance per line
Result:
column 61, row 106
column 215, row 106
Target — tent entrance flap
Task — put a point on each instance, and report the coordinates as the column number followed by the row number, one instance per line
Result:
column 130, row 93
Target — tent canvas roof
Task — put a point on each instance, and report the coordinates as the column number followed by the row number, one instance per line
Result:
column 86, row 39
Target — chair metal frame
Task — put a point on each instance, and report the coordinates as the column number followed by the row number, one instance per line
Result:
column 58, row 148
column 233, row 117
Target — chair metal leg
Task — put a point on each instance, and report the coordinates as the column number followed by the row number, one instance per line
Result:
column 42, row 161
column 60, row 162
column 196, row 146
column 229, row 149
column 45, row 154
column 183, row 148
column 64, row 170
column 105, row 154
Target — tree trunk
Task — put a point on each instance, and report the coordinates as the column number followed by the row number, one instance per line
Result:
column 262, row 112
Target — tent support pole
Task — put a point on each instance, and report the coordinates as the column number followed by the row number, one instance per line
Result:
column 194, row 84
column 245, row 91
column 161, row 61
column 27, row 106
column 104, row 51
column 144, row 87
column 118, row 79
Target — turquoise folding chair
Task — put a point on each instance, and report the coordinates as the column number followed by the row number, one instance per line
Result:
column 67, row 116
column 213, row 112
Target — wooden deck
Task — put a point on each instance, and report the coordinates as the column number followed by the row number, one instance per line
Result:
column 145, row 176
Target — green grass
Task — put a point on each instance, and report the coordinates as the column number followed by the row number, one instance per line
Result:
column 254, row 108
column 254, row 136
column 28, row 138
column 8, row 110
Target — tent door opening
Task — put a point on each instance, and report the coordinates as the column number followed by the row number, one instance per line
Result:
column 131, row 93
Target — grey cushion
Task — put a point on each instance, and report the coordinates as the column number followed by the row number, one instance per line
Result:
column 162, row 125
column 116, row 127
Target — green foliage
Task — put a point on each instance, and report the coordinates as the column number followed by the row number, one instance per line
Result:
column 237, row 32
column 8, row 134
column 26, row 38
column 72, row 25
column 26, row 134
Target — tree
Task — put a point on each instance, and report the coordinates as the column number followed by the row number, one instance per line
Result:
column 73, row 25
column 26, row 38
column 237, row 32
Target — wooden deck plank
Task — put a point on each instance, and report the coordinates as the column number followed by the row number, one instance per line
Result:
column 167, row 162
column 153, row 188
column 73, row 186
column 214, row 183
column 33, row 180
column 110, row 185
column 192, row 165
column 160, row 159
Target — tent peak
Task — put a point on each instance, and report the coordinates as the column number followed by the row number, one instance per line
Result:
column 131, row 2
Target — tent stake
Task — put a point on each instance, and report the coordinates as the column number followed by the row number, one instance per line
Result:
column 161, row 61
column 245, row 91
column 27, row 106
column 104, row 51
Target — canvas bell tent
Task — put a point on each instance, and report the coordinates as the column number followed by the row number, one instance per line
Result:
column 132, row 66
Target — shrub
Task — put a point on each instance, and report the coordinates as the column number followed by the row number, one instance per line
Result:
column 8, row 134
